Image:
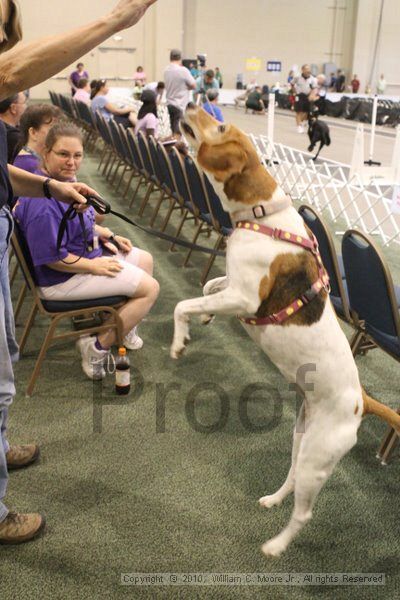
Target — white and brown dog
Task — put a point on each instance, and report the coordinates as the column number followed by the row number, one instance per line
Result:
column 268, row 276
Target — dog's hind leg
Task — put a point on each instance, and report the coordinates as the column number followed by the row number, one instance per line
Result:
column 212, row 287
column 322, row 446
column 288, row 486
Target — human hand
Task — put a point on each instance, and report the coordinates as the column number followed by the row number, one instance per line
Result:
column 108, row 267
column 124, row 244
column 128, row 12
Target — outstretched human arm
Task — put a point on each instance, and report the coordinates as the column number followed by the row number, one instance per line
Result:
column 31, row 64
column 26, row 184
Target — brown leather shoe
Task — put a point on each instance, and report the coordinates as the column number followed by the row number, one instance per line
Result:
column 22, row 456
column 18, row 528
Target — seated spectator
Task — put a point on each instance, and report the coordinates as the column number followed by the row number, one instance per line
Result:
column 82, row 93
column 158, row 87
column 11, row 111
column 254, row 102
column 211, row 107
column 100, row 102
column 140, row 76
column 88, row 264
column 76, row 76
column 34, row 127
column 147, row 115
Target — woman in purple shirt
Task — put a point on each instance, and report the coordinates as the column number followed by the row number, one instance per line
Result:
column 34, row 127
column 76, row 76
column 92, row 262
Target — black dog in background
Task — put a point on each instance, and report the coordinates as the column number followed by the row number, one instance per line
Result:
column 318, row 131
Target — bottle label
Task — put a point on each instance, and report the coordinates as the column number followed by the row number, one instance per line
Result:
column 122, row 378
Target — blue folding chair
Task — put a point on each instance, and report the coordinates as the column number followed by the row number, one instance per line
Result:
column 374, row 303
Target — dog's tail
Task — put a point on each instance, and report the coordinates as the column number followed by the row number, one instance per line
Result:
column 373, row 407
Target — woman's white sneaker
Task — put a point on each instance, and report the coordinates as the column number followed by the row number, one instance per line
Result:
column 92, row 358
column 132, row 341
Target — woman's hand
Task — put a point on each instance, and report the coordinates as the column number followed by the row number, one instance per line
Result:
column 124, row 244
column 108, row 267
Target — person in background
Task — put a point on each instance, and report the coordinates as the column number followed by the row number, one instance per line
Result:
column 178, row 83
column 381, row 85
column 76, row 75
column 23, row 68
column 317, row 95
column 355, row 84
column 210, row 105
column 140, row 76
column 34, row 127
column 147, row 115
column 158, row 87
column 290, row 77
column 82, row 269
column 340, row 84
column 193, row 70
column 303, row 85
column 83, row 92
column 206, row 82
column 11, row 111
column 100, row 102
column 332, row 82
column 368, row 89
column 218, row 77
column 254, row 102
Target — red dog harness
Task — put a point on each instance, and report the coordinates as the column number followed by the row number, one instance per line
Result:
column 322, row 283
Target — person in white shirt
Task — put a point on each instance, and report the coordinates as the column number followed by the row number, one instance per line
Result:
column 158, row 87
column 381, row 85
column 178, row 83
column 303, row 86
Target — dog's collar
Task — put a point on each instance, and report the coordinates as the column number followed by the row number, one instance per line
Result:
column 262, row 209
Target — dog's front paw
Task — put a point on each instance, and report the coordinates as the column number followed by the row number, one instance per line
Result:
column 271, row 500
column 274, row 547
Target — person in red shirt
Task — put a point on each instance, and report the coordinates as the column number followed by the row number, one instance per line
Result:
column 355, row 84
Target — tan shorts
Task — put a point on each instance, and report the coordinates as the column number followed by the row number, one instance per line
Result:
column 84, row 286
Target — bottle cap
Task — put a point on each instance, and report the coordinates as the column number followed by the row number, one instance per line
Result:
column 122, row 350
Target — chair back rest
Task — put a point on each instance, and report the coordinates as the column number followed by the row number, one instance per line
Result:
column 145, row 154
column 103, row 128
column 84, row 113
column 166, row 168
column 24, row 259
column 116, row 139
column 369, row 283
column 196, row 185
column 179, row 171
column 221, row 217
column 326, row 246
column 159, row 173
column 134, row 150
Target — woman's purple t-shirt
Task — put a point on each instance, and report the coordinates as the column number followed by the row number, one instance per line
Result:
column 27, row 162
column 39, row 220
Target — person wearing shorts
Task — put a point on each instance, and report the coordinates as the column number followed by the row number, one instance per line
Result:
column 91, row 262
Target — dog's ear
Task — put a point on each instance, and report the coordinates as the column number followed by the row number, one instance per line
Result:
column 223, row 160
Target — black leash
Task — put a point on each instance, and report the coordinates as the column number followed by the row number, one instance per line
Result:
column 104, row 208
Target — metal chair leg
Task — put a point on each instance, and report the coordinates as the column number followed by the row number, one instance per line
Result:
column 211, row 260
column 20, row 301
column 28, row 327
column 42, row 354
column 146, row 199
column 194, row 240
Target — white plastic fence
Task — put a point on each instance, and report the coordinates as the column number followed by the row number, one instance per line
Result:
column 327, row 186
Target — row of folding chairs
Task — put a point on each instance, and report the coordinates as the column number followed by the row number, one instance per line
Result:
column 363, row 295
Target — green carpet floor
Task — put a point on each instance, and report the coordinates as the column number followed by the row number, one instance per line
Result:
column 152, row 492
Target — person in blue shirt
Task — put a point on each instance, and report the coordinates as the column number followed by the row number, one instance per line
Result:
column 210, row 105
